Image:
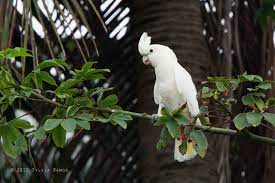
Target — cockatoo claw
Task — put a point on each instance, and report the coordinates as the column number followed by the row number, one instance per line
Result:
column 155, row 117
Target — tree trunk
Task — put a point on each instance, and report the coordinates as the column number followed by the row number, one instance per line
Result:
column 176, row 24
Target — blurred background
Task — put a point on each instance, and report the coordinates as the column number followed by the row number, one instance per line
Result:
column 209, row 37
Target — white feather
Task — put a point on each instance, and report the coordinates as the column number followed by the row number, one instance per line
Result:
column 156, row 95
column 144, row 43
column 186, row 88
column 178, row 156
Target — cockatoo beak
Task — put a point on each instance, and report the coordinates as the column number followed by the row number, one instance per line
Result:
column 145, row 60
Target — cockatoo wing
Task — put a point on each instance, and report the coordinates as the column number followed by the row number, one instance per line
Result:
column 156, row 94
column 186, row 88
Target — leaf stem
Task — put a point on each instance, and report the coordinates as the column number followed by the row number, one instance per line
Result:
column 133, row 114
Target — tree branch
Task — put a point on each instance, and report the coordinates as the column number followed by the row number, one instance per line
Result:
column 47, row 100
column 209, row 129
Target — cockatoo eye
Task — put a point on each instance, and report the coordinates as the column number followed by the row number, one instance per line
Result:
column 151, row 50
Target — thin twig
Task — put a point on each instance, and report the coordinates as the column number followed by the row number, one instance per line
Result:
column 77, row 134
column 47, row 100
column 224, row 107
column 270, row 128
column 218, row 117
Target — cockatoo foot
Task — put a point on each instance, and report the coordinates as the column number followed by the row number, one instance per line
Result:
column 155, row 117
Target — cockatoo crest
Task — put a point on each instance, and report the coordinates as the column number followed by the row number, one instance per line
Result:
column 144, row 43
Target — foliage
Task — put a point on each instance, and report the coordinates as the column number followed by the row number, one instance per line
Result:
column 172, row 123
column 219, row 90
column 254, row 102
column 73, row 107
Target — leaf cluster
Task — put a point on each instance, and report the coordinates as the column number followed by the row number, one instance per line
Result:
column 255, row 103
column 73, row 104
column 178, row 123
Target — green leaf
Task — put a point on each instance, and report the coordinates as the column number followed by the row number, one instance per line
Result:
column 51, row 63
column 83, row 124
column 27, row 80
column 206, row 92
column 27, row 91
column 40, row 133
column 240, row 121
column 66, row 93
column 121, row 116
column 9, row 148
column 116, row 107
column 205, row 89
column 102, row 120
column 51, row 124
column 37, row 80
column 65, row 85
column 203, row 110
column 220, row 86
column 21, row 143
column 108, row 101
column 165, row 112
column 72, row 110
column 20, row 123
column 47, row 78
column 14, row 52
column 59, row 136
column 234, row 83
column 253, row 78
column 13, row 141
column 69, row 124
column 88, row 73
column 164, row 139
column 271, row 101
column 121, row 123
column 4, row 107
column 204, row 120
column 181, row 119
column 247, row 77
column 258, row 78
column 173, row 128
column 65, row 90
column 270, row 117
column 248, row 99
column 84, row 102
column 200, row 140
column 94, row 71
column 183, row 147
column 85, row 117
column 87, row 66
column 161, row 120
column 265, row 86
column 254, row 118
column 260, row 103
column 120, row 119
column 259, row 94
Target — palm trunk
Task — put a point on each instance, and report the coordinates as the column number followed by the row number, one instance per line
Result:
column 176, row 24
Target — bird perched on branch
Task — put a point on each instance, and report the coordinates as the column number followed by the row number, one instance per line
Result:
column 173, row 87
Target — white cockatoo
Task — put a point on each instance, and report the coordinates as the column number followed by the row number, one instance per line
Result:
column 173, row 86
